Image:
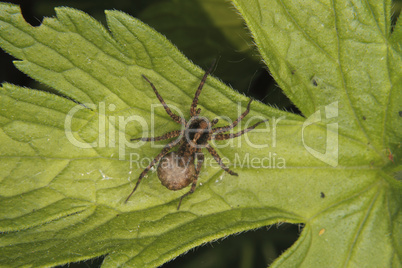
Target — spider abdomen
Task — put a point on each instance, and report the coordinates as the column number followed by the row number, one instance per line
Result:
column 175, row 171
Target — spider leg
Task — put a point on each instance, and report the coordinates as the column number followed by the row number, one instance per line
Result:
column 175, row 117
column 218, row 159
column 200, row 161
column 166, row 136
column 165, row 150
column 234, row 135
column 193, row 110
column 213, row 122
column 229, row 127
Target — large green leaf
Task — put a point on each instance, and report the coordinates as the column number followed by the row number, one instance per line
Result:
column 64, row 179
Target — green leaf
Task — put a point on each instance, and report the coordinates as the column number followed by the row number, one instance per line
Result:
column 342, row 52
column 62, row 200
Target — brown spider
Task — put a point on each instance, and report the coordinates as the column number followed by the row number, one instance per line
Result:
column 176, row 169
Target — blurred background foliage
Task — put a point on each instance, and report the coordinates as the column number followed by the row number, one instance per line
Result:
column 203, row 30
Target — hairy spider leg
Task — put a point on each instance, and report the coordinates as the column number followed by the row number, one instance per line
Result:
column 175, row 117
column 164, row 151
column 166, row 136
column 234, row 135
column 193, row 110
column 218, row 159
column 214, row 122
column 229, row 127
column 200, row 161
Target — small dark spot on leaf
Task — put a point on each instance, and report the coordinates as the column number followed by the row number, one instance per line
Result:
column 322, row 195
column 400, row 113
column 314, row 82
column 364, row 118
column 292, row 72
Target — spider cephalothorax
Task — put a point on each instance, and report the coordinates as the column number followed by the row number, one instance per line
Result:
column 177, row 169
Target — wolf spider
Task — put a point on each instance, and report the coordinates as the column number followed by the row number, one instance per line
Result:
column 176, row 169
